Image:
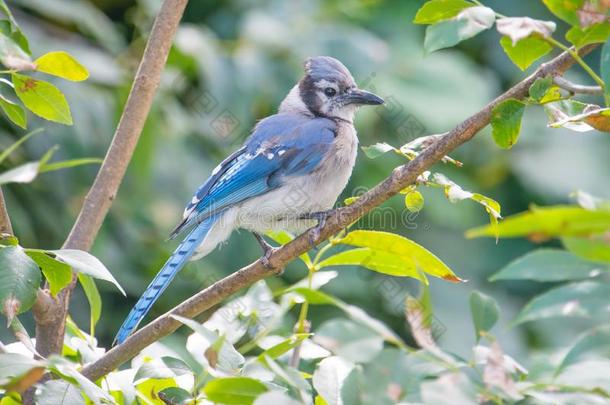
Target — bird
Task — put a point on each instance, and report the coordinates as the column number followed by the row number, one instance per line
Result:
column 287, row 175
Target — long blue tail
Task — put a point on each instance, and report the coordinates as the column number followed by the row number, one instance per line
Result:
column 174, row 264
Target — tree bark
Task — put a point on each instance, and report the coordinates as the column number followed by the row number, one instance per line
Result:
column 400, row 178
column 50, row 314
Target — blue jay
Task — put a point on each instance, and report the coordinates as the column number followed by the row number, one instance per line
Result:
column 288, row 174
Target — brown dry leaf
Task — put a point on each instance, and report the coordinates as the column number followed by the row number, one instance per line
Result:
column 593, row 12
column 11, row 308
column 211, row 356
column 593, row 117
column 495, row 374
column 518, row 28
column 27, row 380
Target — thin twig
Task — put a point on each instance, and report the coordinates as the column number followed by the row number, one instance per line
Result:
column 50, row 335
column 400, row 178
column 5, row 220
column 577, row 88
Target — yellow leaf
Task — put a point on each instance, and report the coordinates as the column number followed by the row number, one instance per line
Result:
column 61, row 64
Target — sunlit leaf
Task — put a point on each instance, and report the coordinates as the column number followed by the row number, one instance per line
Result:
column 94, row 298
column 567, row 10
column 414, row 201
column 283, row 237
column 329, row 376
column 176, row 395
column 66, row 164
column 276, row 398
column 549, row 265
column 376, row 150
column 63, row 65
column 468, row 23
column 25, row 173
column 42, row 98
column 543, row 91
column 314, row 296
column 526, row 51
column 585, row 299
column 150, row 389
column 541, row 223
column 85, row 263
column 592, row 117
column 19, row 281
column 594, row 247
column 234, row 390
column 284, row 346
column 57, row 273
column 519, row 28
column 349, row 340
column 160, row 368
column 506, row 122
column 434, row 11
column 58, row 392
column 594, row 34
column 484, row 311
column 13, row 112
column 412, row 257
column 67, row 371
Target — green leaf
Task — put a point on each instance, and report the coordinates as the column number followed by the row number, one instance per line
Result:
column 65, row 164
column 57, row 273
column 61, row 64
column 605, row 70
column 595, row 339
column 593, row 34
column 283, row 237
column 543, row 91
column 595, row 247
column 526, row 51
column 411, row 255
column 19, row 281
column 542, row 223
column 328, row 378
column 567, row 10
column 547, row 265
column 284, row 346
column 13, row 112
column 57, row 392
column 42, row 98
column 506, row 122
column 376, row 150
column 349, row 340
column 176, row 395
column 85, row 263
column 414, row 201
column 468, row 23
column 94, row 298
column 379, row 261
column 585, row 299
column 314, row 297
column 234, row 390
column 485, row 312
column 434, row 11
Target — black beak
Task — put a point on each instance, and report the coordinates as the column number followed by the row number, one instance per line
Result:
column 362, row 97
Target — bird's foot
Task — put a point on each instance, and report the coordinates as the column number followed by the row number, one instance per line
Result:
column 314, row 233
column 267, row 252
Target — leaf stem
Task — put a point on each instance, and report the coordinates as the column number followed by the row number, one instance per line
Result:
column 574, row 54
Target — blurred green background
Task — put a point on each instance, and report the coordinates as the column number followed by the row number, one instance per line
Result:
column 232, row 63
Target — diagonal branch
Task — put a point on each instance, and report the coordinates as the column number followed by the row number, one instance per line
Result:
column 400, row 178
column 50, row 314
column 5, row 220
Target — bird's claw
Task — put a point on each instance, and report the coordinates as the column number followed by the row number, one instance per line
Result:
column 314, row 233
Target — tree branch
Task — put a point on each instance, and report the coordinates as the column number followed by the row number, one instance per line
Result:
column 400, row 178
column 5, row 220
column 577, row 88
column 50, row 332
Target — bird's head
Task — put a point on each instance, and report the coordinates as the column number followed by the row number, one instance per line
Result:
column 328, row 89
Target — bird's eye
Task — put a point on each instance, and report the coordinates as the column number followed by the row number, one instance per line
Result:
column 329, row 91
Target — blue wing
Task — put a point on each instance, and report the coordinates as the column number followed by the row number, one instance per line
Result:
column 280, row 146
